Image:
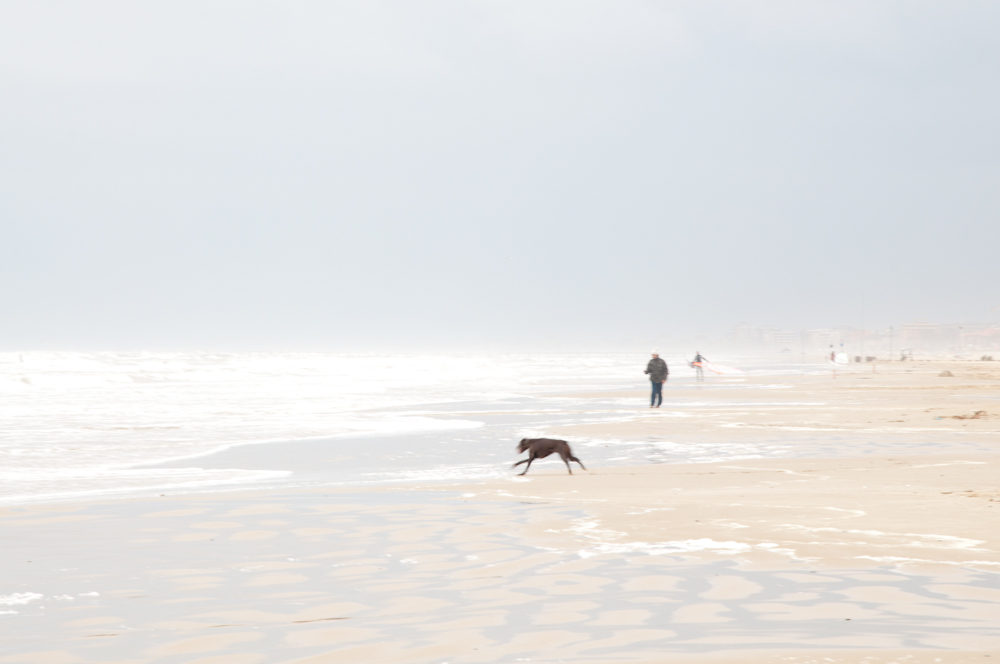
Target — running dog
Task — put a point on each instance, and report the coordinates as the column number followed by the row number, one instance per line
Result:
column 539, row 448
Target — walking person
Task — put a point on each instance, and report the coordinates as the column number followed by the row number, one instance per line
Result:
column 658, row 372
column 696, row 363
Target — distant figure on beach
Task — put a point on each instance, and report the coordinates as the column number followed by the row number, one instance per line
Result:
column 696, row 363
column 658, row 372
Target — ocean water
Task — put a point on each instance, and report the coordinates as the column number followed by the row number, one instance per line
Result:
column 75, row 424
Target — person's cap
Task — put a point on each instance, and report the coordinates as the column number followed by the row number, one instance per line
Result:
column 656, row 351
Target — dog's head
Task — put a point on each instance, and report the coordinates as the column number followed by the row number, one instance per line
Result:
column 523, row 445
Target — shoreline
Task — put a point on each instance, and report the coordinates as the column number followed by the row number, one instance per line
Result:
column 884, row 551
column 906, row 410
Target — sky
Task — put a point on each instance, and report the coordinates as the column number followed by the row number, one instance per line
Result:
column 482, row 175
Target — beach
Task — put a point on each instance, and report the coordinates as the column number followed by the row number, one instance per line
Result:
column 290, row 288
column 771, row 518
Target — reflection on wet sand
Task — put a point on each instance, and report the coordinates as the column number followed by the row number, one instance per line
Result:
column 405, row 576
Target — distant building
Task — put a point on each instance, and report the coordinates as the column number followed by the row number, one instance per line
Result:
column 768, row 338
column 785, row 339
column 924, row 336
column 883, row 343
column 823, row 339
column 746, row 336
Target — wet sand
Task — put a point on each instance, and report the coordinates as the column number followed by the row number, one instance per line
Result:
column 436, row 576
column 925, row 513
column 902, row 400
column 863, row 557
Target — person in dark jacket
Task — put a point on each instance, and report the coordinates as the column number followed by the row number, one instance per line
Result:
column 658, row 372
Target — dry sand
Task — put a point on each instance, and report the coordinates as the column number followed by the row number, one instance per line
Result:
column 903, row 399
column 860, row 557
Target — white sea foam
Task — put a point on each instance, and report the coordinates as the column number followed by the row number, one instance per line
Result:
column 81, row 422
column 92, row 423
column 19, row 598
column 923, row 541
column 676, row 547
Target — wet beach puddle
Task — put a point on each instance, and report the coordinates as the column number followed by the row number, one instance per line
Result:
column 415, row 577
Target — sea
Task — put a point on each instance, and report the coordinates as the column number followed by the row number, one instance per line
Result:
column 75, row 424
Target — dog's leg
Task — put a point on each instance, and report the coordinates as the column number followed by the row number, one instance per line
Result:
column 565, row 459
column 520, row 462
column 573, row 458
column 530, row 459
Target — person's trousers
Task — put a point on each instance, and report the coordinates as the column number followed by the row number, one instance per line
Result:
column 657, row 398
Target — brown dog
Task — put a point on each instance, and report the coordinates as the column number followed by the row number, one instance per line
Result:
column 539, row 448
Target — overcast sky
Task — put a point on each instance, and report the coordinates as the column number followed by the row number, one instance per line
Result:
column 461, row 174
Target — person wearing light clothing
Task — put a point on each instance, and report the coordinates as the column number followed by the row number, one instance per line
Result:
column 658, row 371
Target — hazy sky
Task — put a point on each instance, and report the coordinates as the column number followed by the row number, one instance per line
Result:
column 463, row 174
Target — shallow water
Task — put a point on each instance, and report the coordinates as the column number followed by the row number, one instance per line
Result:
column 75, row 423
column 79, row 424
column 88, row 423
